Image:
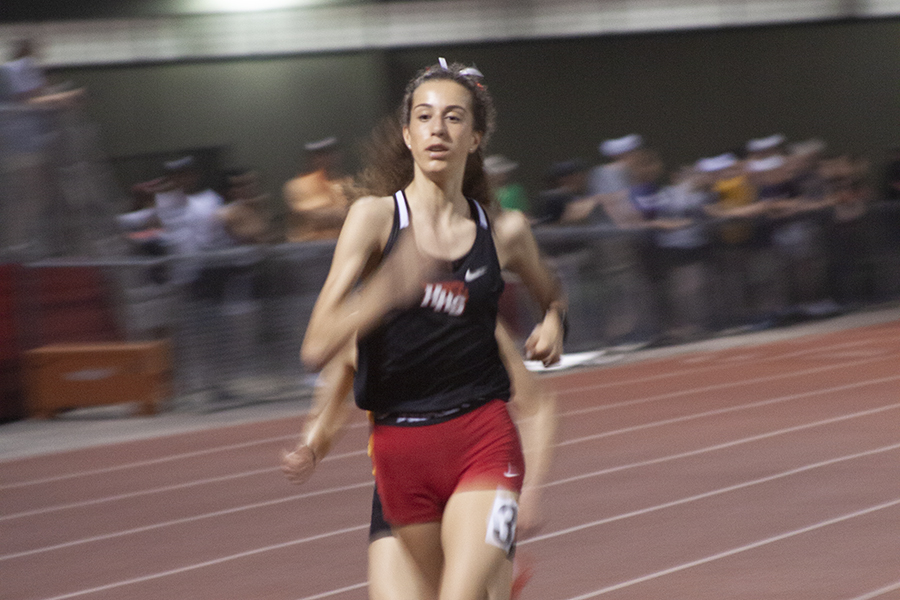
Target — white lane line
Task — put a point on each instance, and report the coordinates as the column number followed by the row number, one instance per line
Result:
column 766, row 357
column 126, row 496
column 148, row 462
column 208, row 563
column 573, row 391
column 186, row 520
column 592, row 437
column 174, row 487
column 738, row 550
column 879, row 592
column 549, row 484
column 162, row 489
column 542, row 537
column 173, row 457
column 708, row 388
column 724, row 445
column 348, row 588
column 710, row 494
column 722, row 411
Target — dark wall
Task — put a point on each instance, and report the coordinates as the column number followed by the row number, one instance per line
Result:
column 261, row 111
column 689, row 93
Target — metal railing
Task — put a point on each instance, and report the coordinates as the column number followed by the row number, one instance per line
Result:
column 237, row 324
column 236, row 318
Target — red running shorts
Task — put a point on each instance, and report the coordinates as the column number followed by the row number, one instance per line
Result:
column 417, row 468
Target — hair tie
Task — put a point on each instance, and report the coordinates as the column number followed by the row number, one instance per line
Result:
column 466, row 72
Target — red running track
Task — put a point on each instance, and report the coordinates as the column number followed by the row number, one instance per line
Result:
column 764, row 472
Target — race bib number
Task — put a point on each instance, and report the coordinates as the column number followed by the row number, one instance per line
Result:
column 501, row 526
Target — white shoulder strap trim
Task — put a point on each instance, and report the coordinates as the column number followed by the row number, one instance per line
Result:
column 482, row 216
column 402, row 208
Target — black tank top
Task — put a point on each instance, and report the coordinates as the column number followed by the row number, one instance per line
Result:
column 441, row 353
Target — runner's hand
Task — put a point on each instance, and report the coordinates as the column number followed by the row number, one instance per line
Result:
column 545, row 343
column 299, row 464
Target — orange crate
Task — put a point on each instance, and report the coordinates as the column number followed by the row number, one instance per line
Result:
column 64, row 376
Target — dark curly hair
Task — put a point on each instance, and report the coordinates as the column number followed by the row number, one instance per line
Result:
column 389, row 163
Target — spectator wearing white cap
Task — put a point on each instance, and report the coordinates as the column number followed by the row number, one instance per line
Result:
column 765, row 147
column 614, row 175
column 186, row 211
column 316, row 202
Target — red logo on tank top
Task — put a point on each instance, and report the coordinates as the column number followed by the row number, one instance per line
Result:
column 448, row 296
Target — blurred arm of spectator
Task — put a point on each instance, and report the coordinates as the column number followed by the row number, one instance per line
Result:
column 247, row 220
column 26, row 83
column 736, row 194
column 847, row 191
column 803, row 183
column 624, row 216
column 892, row 175
column 754, row 209
column 619, row 209
column 246, row 213
column 314, row 218
column 144, row 217
column 579, row 210
column 636, row 207
column 566, row 181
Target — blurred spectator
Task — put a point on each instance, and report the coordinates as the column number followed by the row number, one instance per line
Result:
column 737, row 241
column 196, row 226
column 142, row 225
column 509, row 194
column 892, row 175
column 636, row 205
column 799, row 229
column 891, row 218
column 851, row 278
column 22, row 80
column 566, row 184
column 316, row 201
column 792, row 196
column 615, row 175
column 185, row 217
column 683, row 249
column 761, row 149
column 805, row 158
column 771, row 178
column 25, row 133
column 246, row 213
column 639, row 207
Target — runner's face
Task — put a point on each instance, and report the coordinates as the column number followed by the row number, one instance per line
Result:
column 440, row 131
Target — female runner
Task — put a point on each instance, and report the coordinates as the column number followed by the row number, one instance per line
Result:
column 448, row 462
column 392, row 574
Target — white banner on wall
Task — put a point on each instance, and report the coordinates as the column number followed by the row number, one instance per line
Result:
column 402, row 24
